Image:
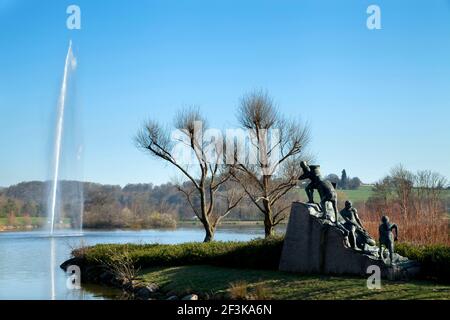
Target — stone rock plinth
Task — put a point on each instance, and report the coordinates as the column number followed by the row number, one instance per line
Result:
column 317, row 246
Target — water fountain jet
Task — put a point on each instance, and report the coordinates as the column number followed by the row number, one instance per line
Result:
column 69, row 66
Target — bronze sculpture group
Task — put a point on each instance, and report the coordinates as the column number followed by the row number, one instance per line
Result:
column 350, row 223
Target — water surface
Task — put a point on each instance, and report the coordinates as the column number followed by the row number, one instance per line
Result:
column 29, row 261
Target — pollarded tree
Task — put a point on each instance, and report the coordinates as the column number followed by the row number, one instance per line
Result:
column 200, row 160
column 272, row 168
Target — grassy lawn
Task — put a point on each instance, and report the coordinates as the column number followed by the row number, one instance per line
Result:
column 359, row 195
column 214, row 281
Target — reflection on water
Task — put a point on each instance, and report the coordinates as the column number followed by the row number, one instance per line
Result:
column 52, row 268
column 29, row 261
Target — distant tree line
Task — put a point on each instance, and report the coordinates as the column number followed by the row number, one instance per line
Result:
column 111, row 206
column 411, row 192
column 344, row 182
column 417, row 201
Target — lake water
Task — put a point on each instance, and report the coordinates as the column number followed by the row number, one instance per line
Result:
column 29, row 261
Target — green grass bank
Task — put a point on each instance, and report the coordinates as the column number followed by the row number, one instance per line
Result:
column 212, row 282
column 248, row 270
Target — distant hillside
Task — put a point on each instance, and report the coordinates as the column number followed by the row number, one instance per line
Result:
column 105, row 205
column 37, row 192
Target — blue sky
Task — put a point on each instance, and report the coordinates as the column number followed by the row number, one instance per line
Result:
column 373, row 98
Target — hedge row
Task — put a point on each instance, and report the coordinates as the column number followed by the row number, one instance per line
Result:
column 434, row 260
column 255, row 254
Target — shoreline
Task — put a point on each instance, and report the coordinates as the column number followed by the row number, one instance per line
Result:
column 18, row 229
column 181, row 224
column 99, row 274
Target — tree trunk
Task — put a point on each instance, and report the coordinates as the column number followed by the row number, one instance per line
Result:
column 209, row 233
column 268, row 219
column 209, row 229
column 268, row 228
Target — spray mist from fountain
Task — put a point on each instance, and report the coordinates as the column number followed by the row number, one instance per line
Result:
column 69, row 67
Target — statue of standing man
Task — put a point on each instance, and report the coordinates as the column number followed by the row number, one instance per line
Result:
column 326, row 190
column 352, row 222
column 386, row 237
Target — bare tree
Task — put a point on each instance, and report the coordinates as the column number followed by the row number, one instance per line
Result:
column 429, row 188
column 278, row 147
column 382, row 192
column 403, row 183
column 205, row 175
column 121, row 264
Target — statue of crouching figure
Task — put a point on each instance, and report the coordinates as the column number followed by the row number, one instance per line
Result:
column 325, row 188
column 386, row 237
column 358, row 237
